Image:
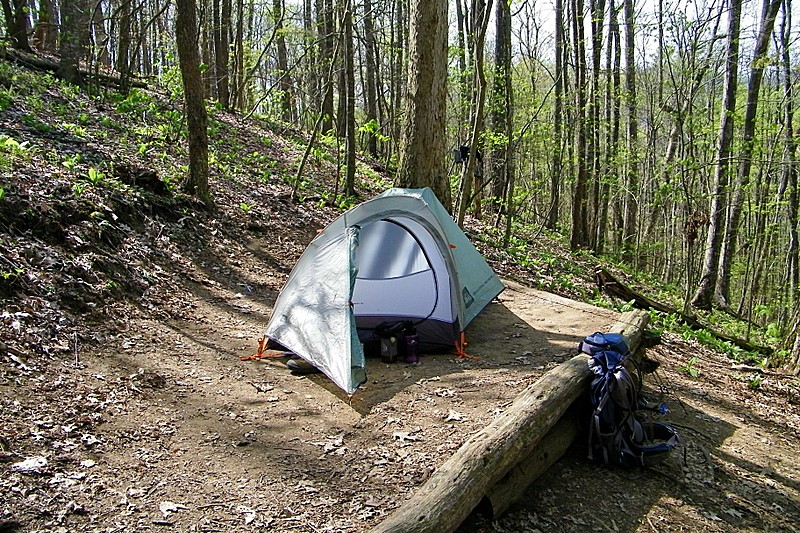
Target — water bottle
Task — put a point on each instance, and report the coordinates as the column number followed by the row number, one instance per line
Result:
column 389, row 350
column 411, row 342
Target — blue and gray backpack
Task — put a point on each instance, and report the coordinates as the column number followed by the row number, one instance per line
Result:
column 618, row 434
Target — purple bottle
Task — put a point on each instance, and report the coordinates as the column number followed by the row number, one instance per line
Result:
column 411, row 342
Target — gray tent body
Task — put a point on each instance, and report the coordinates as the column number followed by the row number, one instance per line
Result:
column 397, row 257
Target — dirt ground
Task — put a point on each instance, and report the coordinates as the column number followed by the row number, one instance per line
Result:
column 167, row 428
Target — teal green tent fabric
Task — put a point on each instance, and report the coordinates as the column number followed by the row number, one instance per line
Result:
column 396, row 257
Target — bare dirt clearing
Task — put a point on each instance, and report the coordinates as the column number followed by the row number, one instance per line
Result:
column 168, row 427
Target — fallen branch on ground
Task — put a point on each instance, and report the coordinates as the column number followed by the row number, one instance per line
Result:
column 615, row 288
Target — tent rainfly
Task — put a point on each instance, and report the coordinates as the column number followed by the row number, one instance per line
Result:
column 398, row 257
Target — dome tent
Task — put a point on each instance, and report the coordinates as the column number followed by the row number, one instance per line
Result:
column 396, row 257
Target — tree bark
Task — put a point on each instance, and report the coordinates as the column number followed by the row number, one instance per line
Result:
column 370, row 89
column 72, row 40
column 631, row 224
column 326, row 30
column 238, row 94
column 100, row 37
column 350, row 106
column 612, row 122
column 547, row 451
column 422, row 158
column 285, row 79
column 472, row 169
column 558, row 97
column 790, row 171
column 16, row 18
column 500, row 107
column 579, row 237
column 705, row 290
column 464, row 89
column 195, row 110
column 398, row 79
column 45, row 31
column 597, row 10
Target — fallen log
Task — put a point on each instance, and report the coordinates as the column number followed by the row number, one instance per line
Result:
column 478, row 468
column 549, row 450
column 615, row 288
column 34, row 61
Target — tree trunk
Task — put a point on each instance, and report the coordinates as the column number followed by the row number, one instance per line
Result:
column 285, row 79
column 473, row 167
column 705, row 290
column 72, row 43
column 794, row 355
column 370, row 89
column 745, row 153
column 464, row 92
column 350, row 107
column 398, row 79
column 789, row 186
column 598, row 8
column 612, row 119
column 207, row 36
column 16, row 19
column 579, row 237
column 558, row 96
column 100, row 37
column 630, row 227
column 500, row 107
column 222, row 22
column 195, row 109
column 326, row 31
column 46, row 30
column 124, row 48
column 238, row 95
column 422, row 157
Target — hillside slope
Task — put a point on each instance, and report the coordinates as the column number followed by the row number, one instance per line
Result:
column 127, row 307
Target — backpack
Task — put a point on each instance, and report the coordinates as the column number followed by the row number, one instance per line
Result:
column 618, row 434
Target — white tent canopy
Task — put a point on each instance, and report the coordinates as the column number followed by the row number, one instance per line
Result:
column 397, row 257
